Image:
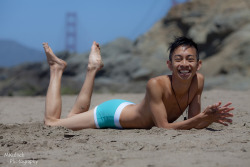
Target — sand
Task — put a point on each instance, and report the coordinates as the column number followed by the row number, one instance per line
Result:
column 25, row 141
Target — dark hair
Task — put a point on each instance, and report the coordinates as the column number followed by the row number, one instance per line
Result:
column 182, row 41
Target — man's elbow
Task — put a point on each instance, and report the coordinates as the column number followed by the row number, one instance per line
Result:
column 166, row 126
column 171, row 126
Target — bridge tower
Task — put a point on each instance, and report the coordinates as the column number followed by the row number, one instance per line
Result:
column 71, row 32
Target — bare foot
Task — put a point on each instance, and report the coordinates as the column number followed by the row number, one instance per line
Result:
column 95, row 59
column 54, row 62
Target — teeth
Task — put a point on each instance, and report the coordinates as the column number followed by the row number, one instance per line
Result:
column 184, row 71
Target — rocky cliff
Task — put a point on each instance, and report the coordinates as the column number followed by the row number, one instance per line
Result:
column 221, row 29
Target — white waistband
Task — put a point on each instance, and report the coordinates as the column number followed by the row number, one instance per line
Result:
column 118, row 113
column 96, row 122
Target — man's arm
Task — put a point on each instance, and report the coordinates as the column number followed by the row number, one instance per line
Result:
column 213, row 113
column 156, row 106
column 195, row 105
column 158, row 110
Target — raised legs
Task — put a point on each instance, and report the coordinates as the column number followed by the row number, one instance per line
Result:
column 79, row 117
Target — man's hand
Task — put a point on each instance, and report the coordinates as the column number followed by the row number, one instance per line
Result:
column 215, row 113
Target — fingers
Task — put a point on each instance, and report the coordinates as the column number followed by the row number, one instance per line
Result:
column 224, row 115
column 219, row 114
column 216, row 105
column 225, row 109
column 219, row 103
column 224, row 121
column 214, row 108
column 228, row 104
column 221, row 122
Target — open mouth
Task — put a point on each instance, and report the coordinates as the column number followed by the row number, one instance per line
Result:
column 184, row 73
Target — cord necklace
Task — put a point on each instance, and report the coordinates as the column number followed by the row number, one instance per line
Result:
column 185, row 117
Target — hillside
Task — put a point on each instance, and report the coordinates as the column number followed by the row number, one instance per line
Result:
column 14, row 53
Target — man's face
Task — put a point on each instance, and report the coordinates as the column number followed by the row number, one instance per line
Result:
column 184, row 62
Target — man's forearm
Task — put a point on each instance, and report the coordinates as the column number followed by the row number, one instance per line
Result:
column 194, row 122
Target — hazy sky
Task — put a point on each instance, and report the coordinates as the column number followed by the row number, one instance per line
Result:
column 31, row 22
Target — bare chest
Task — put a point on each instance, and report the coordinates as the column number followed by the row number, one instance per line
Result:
column 175, row 107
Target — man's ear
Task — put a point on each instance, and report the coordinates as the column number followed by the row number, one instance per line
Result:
column 169, row 64
column 199, row 65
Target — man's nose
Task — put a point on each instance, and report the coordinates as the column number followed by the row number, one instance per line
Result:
column 184, row 62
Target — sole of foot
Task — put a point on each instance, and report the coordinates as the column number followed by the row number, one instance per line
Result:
column 95, row 59
column 54, row 62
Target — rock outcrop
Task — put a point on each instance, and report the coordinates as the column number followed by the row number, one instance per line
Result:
column 221, row 29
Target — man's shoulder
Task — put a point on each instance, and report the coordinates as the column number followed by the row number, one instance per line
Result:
column 200, row 77
column 157, row 86
column 199, row 81
column 160, row 82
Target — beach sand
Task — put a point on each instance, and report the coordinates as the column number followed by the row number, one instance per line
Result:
column 24, row 137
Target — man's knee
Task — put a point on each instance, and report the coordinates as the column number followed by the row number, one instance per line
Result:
column 70, row 115
column 50, row 122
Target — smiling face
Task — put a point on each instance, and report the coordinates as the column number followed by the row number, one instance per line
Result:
column 184, row 64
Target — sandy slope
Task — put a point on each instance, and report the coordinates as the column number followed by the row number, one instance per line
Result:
column 22, row 132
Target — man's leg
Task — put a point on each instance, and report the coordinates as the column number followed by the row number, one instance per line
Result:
column 53, row 104
column 83, row 100
column 53, row 99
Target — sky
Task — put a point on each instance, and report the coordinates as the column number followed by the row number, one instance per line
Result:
column 31, row 22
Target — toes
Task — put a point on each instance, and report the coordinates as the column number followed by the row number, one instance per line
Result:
column 46, row 46
column 45, row 43
column 95, row 44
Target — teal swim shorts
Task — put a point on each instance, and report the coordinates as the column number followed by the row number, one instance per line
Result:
column 107, row 114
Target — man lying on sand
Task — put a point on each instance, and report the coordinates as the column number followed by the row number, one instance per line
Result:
column 165, row 100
